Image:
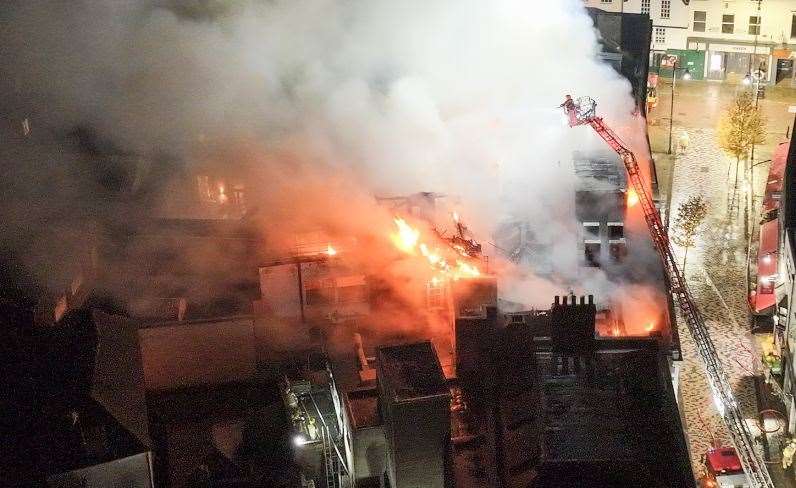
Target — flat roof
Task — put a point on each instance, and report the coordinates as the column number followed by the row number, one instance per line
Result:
column 599, row 171
column 411, row 371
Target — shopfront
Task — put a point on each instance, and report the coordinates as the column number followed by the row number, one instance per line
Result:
column 784, row 69
column 732, row 62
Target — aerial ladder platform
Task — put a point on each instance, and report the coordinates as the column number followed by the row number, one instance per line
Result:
column 583, row 112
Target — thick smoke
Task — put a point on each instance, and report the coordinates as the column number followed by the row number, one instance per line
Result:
column 323, row 104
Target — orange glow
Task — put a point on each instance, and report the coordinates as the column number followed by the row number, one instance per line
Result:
column 650, row 327
column 456, row 217
column 632, row 197
column 466, row 270
column 330, row 250
column 407, row 239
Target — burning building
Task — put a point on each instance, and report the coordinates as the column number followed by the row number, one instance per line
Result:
column 412, row 282
column 601, row 201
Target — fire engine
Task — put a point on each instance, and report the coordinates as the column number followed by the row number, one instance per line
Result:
column 723, row 469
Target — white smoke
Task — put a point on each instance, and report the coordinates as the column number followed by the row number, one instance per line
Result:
column 453, row 96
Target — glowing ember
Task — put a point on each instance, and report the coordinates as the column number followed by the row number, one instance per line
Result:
column 632, row 197
column 407, row 239
column 330, row 250
column 650, row 327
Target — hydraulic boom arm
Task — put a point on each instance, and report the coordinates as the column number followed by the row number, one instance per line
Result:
column 582, row 112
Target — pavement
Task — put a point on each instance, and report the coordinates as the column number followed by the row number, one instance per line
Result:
column 716, row 266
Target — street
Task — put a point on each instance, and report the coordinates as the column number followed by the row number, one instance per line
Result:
column 716, row 267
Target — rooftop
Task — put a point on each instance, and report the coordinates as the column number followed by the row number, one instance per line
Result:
column 411, row 371
column 601, row 171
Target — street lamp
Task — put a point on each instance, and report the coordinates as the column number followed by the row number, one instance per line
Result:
column 686, row 77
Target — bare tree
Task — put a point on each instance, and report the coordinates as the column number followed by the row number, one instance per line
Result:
column 690, row 215
column 741, row 126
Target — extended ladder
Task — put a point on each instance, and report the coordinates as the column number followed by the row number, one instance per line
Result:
column 583, row 114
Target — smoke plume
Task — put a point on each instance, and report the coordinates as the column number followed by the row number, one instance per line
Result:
column 319, row 105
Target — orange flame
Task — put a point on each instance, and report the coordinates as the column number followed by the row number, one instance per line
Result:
column 407, row 239
column 632, row 197
column 650, row 327
column 330, row 250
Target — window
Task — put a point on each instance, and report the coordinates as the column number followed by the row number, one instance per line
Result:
column 660, row 35
column 606, row 1
column 591, row 254
column 591, row 230
column 645, row 7
column 700, row 18
column 616, row 231
column 727, row 24
column 435, row 294
column 666, row 9
column 754, row 24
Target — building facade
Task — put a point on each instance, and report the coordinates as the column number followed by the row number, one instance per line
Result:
column 670, row 19
column 720, row 40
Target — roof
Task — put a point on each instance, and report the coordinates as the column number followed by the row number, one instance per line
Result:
column 411, row 371
column 775, row 175
column 724, row 459
column 767, row 262
column 789, row 187
column 600, row 171
column 614, row 419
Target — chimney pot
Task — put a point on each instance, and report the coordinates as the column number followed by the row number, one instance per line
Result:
column 565, row 300
column 591, row 299
column 582, row 300
column 556, row 300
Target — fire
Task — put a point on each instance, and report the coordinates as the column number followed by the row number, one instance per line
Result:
column 456, row 217
column 650, row 327
column 330, row 250
column 464, row 269
column 407, row 239
column 632, row 197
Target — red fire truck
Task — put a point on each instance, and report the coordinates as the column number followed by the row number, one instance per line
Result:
column 763, row 298
column 723, row 469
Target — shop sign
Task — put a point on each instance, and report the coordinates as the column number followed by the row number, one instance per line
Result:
column 739, row 48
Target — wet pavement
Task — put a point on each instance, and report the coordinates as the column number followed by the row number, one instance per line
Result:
column 716, row 267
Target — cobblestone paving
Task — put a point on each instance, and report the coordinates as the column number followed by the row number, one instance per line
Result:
column 716, row 272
